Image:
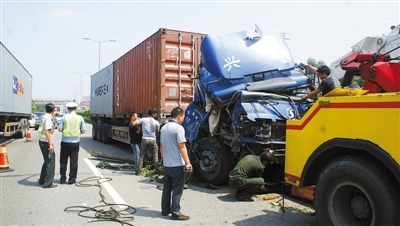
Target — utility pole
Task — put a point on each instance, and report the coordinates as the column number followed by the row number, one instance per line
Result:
column 99, row 45
column 81, row 73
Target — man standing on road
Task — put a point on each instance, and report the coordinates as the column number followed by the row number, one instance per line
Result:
column 150, row 128
column 71, row 126
column 175, row 159
column 246, row 176
column 135, row 134
column 46, row 130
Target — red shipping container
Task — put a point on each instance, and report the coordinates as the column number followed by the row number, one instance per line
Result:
column 154, row 74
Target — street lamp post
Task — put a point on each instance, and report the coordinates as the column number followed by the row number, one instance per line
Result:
column 81, row 73
column 74, row 92
column 99, row 45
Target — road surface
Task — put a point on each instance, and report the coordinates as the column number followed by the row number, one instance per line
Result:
column 24, row 202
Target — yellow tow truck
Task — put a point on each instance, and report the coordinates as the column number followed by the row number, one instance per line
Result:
column 344, row 153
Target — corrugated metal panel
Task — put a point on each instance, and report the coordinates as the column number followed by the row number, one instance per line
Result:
column 154, row 73
column 15, row 85
column 101, row 97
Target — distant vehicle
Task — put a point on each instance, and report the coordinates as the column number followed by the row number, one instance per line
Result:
column 32, row 120
column 38, row 119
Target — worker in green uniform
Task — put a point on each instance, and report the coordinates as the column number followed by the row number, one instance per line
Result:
column 246, row 176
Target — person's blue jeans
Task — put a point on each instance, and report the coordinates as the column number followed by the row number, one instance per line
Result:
column 174, row 179
column 136, row 154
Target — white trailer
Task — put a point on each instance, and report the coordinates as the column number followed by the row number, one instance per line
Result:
column 15, row 95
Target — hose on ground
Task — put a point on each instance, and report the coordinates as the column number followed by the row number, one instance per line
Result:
column 121, row 213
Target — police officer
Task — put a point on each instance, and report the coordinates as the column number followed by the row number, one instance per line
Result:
column 71, row 126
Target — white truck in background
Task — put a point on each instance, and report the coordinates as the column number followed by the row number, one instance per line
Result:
column 15, row 96
column 380, row 44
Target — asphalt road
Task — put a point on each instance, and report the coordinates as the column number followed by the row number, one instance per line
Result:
column 24, row 202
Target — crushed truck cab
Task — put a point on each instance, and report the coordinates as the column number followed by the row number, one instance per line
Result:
column 349, row 147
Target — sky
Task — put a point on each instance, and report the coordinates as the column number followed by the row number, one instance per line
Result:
column 47, row 36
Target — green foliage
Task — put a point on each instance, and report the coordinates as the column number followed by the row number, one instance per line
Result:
column 85, row 113
column 360, row 82
column 37, row 107
column 313, row 62
column 149, row 171
column 33, row 106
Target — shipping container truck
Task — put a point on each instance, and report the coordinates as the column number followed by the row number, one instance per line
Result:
column 152, row 74
column 15, row 95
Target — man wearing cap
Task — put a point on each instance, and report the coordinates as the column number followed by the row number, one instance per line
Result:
column 71, row 126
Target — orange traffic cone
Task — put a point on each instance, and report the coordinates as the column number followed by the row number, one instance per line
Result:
column 4, row 164
column 28, row 135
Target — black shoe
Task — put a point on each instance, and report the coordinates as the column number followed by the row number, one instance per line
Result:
column 244, row 199
column 71, row 182
column 179, row 217
column 165, row 214
column 62, row 182
column 51, row 186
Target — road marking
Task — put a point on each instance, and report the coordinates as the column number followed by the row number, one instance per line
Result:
column 114, row 195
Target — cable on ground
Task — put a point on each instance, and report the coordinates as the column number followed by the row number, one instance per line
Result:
column 121, row 213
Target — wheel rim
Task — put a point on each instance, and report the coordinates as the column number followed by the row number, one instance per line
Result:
column 208, row 162
column 349, row 203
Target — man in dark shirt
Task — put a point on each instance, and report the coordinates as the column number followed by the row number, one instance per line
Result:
column 246, row 176
column 328, row 82
column 135, row 134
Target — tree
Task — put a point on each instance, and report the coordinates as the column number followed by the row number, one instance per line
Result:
column 313, row 62
column 314, row 79
column 39, row 108
column 85, row 113
column 33, row 106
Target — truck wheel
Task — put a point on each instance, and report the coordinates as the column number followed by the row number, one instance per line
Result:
column 94, row 131
column 99, row 133
column 353, row 191
column 106, row 134
column 216, row 161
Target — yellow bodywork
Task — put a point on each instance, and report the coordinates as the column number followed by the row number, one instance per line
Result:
column 372, row 117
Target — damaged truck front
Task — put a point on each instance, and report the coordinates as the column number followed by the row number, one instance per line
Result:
column 245, row 90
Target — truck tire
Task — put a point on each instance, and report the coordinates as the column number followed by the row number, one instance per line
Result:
column 106, row 134
column 94, row 131
column 353, row 191
column 215, row 161
column 99, row 133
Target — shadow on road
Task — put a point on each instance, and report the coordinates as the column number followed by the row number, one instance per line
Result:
column 27, row 182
